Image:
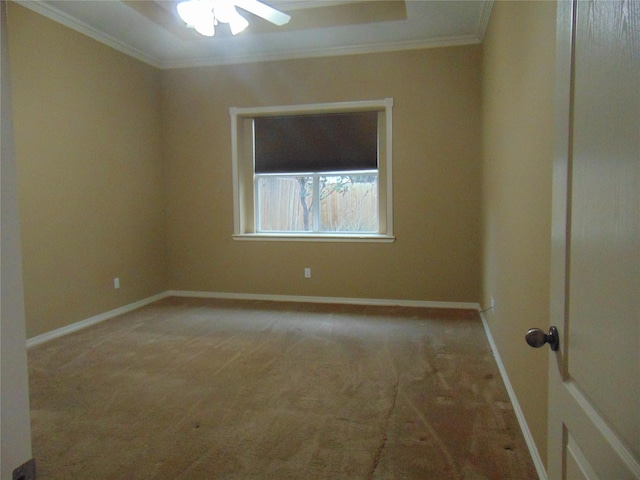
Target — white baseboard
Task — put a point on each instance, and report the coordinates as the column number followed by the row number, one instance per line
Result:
column 338, row 300
column 533, row 449
column 45, row 337
column 535, row 455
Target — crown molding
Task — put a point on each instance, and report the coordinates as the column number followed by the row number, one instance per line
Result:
column 56, row 15
column 323, row 52
column 484, row 20
column 45, row 9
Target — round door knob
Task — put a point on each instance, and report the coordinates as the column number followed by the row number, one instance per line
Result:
column 537, row 338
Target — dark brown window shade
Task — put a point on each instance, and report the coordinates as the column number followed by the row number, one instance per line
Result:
column 316, row 143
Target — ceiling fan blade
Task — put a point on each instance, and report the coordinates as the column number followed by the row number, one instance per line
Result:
column 263, row 11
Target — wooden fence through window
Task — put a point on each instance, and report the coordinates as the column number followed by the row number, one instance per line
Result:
column 354, row 210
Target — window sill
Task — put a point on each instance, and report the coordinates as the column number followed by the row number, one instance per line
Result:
column 283, row 237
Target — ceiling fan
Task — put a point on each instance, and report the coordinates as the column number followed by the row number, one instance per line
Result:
column 204, row 15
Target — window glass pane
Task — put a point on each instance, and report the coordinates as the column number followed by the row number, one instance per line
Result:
column 284, row 203
column 349, row 203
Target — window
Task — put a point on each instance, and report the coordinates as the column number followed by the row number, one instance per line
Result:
column 313, row 172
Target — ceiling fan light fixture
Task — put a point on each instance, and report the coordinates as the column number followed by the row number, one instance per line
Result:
column 238, row 24
column 203, row 15
column 193, row 12
column 223, row 10
column 206, row 26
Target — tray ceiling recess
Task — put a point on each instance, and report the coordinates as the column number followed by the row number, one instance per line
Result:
column 152, row 30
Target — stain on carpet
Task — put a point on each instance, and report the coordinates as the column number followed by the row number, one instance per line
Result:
column 213, row 389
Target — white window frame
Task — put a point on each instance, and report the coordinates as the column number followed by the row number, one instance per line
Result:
column 243, row 170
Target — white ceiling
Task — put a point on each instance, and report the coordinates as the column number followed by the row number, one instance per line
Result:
column 115, row 23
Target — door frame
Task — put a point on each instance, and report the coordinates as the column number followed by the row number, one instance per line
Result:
column 15, row 428
column 559, row 221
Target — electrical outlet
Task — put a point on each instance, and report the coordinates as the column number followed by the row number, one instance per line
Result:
column 116, row 283
column 307, row 273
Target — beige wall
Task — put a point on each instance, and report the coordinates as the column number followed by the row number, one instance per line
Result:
column 125, row 171
column 93, row 125
column 90, row 178
column 518, row 90
column 436, row 169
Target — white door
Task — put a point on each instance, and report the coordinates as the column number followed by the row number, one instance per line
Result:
column 594, row 403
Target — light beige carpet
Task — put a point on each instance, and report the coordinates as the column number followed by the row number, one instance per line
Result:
column 210, row 389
